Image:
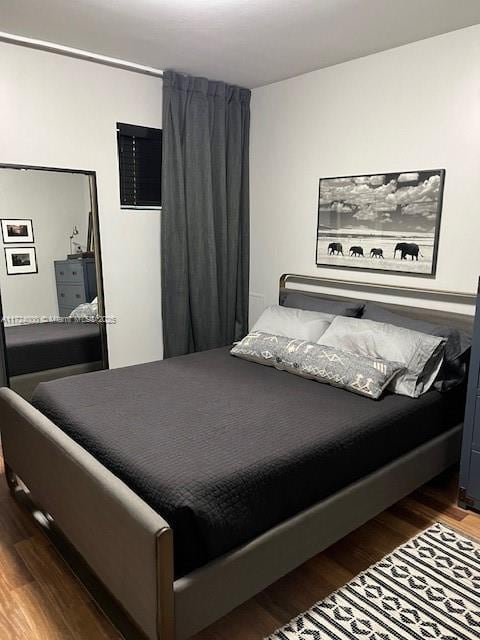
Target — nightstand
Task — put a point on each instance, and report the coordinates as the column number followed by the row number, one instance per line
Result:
column 469, row 492
column 76, row 283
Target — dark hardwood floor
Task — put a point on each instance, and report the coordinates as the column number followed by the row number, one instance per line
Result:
column 41, row 599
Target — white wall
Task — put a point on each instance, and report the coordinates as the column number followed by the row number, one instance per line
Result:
column 55, row 202
column 60, row 112
column 414, row 107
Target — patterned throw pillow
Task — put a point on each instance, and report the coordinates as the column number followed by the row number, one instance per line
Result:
column 87, row 311
column 360, row 374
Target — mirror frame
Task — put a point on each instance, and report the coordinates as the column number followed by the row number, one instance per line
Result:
column 92, row 183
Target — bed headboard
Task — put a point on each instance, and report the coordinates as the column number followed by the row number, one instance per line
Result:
column 340, row 289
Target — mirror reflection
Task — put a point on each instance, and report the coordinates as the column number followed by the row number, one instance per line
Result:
column 48, row 277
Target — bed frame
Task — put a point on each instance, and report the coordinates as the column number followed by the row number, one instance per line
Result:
column 26, row 383
column 128, row 547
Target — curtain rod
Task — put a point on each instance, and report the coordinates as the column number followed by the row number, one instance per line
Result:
column 80, row 54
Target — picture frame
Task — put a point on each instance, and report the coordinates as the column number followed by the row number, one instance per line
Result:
column 20, row 260
column 17, row 230
column 386, row 221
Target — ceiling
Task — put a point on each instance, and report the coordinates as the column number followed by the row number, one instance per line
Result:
column 246, row 42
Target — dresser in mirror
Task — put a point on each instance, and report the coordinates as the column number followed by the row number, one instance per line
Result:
column 50, row 277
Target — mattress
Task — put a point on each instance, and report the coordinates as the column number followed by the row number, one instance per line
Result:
column 225, row 449
column 49, row 345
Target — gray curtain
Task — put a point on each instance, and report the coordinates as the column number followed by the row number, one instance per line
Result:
column 205, row 213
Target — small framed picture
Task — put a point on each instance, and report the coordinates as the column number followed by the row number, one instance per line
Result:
column 20, row 260
column 17, row 230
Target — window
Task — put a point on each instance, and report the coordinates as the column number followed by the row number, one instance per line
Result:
column 140, row 164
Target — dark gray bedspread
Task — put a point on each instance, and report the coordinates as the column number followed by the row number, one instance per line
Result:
column 224, row 449
column 49, row 345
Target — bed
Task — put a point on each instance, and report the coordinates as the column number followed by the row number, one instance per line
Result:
column 43, row 351
column 253, row 470
column 50, row 345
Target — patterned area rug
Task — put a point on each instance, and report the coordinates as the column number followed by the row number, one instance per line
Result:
column 427, row 588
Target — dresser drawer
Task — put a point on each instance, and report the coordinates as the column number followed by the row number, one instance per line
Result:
column 473, row 488
column 476, row 426
column 69, row 271
column 70, row 295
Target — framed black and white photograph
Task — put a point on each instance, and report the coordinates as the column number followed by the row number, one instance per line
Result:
column 383, row 221
column 17, row 230
column 20, row 260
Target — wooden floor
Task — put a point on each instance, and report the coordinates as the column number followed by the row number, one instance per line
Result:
column 41, row 599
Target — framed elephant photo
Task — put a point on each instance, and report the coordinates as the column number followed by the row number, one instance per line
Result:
column 381, row 221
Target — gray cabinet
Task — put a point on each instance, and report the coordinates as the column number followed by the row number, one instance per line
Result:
column 76, row 283
column 469, row 494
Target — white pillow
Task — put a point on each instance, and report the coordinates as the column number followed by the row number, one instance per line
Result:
column 422, row 354
column 293, row 323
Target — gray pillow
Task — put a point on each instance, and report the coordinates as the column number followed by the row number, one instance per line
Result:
column 293, row 323
column 315, row 302
column 420, row 353
column 365, row 376
column 457, row 347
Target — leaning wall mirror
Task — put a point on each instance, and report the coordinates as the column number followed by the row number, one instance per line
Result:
column 50, row 276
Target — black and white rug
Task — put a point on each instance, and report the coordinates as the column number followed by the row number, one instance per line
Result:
column 427, row 588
